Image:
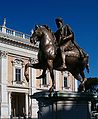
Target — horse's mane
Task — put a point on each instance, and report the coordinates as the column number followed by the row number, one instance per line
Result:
column 47, row 27
column 53, row 35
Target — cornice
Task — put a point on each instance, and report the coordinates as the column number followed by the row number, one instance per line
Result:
column 9, row 41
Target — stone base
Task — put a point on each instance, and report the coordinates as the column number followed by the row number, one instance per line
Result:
column 64, row 105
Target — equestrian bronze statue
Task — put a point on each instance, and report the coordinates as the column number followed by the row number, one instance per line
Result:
column 50, row 55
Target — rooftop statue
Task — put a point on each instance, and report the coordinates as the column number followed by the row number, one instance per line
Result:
column 58, row 51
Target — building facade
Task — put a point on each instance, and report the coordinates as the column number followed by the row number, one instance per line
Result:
column 16, row 51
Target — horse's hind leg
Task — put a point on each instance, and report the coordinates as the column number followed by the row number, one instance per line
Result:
column 77, row 76
column 36, row 66
column 84, row 79
column 25, row 72
column 80, row 88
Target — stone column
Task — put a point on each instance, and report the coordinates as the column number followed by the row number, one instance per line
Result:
column 26, row 103
column 3, row 81
column 9, row 103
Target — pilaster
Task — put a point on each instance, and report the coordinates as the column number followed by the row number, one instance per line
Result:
column 3, row 81
column 33, row 103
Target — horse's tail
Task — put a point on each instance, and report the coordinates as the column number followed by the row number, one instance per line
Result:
column 87, row 63
column 87, row 68
column 79, row 49
column 83, row 55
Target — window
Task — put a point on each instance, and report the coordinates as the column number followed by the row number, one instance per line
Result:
column 18, row 75
column 44, row 84
column 44, row 81
column 65, row 82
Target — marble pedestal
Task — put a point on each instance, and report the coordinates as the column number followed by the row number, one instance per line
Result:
column 64, row 105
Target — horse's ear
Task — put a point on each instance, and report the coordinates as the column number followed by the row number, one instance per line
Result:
column 36, row 26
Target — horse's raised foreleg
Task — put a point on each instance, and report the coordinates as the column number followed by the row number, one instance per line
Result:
column 25, row 72
column 36, row 66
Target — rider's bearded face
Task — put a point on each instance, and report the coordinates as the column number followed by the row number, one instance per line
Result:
column 59, row 24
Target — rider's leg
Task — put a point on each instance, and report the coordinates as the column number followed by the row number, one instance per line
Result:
column 63, row 56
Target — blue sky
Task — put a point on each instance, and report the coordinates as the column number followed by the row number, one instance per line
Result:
column 81, row 15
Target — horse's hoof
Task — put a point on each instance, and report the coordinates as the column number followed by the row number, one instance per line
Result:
column 50, row 94
column 51, row 89
column 41, row 76
column 81, row 88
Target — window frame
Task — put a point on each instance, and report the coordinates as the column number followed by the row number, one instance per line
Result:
column 65, row 78
column 17, row 64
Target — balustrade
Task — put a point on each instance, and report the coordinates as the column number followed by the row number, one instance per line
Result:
column 14, row 33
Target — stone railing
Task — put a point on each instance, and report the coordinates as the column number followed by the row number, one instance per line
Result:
column 14, row 33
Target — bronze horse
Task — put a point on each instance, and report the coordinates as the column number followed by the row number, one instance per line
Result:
column 76, row 59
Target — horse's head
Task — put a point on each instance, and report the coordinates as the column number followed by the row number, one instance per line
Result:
column 36, row 35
